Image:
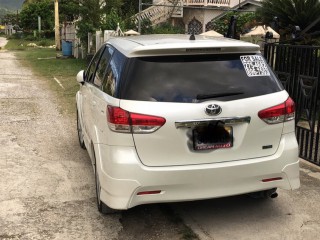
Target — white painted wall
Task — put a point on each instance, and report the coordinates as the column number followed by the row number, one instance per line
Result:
column 236, row 2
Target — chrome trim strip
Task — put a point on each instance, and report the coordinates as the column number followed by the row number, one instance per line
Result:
column 225, row 121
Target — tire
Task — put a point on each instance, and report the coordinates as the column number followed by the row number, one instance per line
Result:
column 102, row 207
column 80, row 132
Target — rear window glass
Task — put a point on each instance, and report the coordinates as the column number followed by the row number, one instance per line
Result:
column 198, row 78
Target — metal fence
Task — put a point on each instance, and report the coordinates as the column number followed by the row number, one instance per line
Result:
column 298, row 68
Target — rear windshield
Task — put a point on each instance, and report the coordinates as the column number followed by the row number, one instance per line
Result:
column 198, row 78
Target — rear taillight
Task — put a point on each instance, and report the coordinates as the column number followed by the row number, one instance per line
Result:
column 120, row 120
column 279, row 114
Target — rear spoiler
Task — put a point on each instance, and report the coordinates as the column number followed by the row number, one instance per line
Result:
column 143, row 51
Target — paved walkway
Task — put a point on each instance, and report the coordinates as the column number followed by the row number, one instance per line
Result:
column 47, row 188
column 47, row 184
column 3, row 42
column 293, row 215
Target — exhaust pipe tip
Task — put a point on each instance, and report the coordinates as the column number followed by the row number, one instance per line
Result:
column 274, row 195
column 271, row 193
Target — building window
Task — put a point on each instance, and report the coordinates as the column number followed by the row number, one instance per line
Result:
column 194, row 27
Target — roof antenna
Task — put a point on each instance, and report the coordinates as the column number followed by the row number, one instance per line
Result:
column 192, row 37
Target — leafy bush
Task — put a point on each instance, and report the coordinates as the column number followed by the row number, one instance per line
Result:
column 167, row 28
column 30, row 37
column 45, row 42
column 15, row 36
column 30, row 13
column 48, row 34
column 112, row 20
column 245, row 21
column 291, row 12
column 146, row 26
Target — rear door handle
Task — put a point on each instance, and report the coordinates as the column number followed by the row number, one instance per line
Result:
column 94, row 103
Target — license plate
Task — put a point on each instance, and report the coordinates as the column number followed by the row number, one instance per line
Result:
column 212, row 137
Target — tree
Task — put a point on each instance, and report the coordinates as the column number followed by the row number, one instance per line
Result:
column 111, row 21
column 167, row 28
column 245, row 21
column 30, row 12
column 69, row 10
column 105, row 15
column 90, row 19
column 10, row 18
column 146, row 26
column 112, row 5
column 291, row 12
column 27, row 2
column 130, row 7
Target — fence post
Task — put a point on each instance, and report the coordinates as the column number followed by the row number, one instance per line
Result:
column 98, row 40
column 139, row 21
column 90, row 43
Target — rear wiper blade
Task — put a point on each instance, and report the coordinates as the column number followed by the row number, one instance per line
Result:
column 216, row 95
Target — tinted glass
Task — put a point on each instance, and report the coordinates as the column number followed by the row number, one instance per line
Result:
column 93, row 65
column 113, row 74
column 197, row 78
column 102, row 67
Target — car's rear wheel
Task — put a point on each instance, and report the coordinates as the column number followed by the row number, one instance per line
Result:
column 80, row 132
column 102, row 207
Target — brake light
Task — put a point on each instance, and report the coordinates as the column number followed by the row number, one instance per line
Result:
column 278, row 114
column 120, row 120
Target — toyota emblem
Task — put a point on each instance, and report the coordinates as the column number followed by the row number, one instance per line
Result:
column 213, row 109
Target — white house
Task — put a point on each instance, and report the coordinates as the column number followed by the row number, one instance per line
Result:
column 196, row 15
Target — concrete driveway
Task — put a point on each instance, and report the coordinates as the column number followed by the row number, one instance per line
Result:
column 293, row 215
column 3, row 42
column 47, row 186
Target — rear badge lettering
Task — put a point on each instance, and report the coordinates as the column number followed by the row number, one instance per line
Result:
column 213, row 109
column 255, row 66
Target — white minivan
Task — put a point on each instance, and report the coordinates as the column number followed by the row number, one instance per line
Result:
column 166, row 118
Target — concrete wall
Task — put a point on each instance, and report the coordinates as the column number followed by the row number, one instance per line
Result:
column 204, row 16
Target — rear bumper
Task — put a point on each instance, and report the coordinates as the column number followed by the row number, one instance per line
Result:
column 122, row 176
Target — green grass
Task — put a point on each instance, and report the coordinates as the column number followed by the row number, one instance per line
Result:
column 22, row 44
column 46, row 66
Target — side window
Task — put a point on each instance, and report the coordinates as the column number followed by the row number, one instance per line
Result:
column 113, row 74
column 102, row 67
column 109, row 85
column 93, row 65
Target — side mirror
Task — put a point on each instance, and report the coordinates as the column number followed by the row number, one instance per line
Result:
column 80, row 77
